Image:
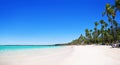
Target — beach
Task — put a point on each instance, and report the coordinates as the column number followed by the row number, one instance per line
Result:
column 67, row 55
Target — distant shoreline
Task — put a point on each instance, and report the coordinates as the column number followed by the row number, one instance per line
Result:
column 39, row 45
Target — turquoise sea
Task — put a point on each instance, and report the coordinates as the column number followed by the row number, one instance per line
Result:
column 17, row 47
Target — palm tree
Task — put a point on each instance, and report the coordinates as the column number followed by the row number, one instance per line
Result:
column 95, row 32
column 102, row 29
column 117, row 8
column 118, row 33
column 88, row 35
column 87, row 32
column 105, row 24
column 96, row 24
column 90, row 31
column 115, row 29
column 110, row 12
column 105, row 31
column 102, row 22
column 117, row 5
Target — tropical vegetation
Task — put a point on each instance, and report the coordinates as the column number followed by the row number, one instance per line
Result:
column 109, row 31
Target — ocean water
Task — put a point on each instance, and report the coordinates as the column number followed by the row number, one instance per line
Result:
column 17, row 47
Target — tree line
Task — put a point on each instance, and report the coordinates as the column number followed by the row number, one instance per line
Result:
column 109, row 32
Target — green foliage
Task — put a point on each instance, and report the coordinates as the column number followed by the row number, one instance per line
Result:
column 107, row 34
column 117, row 4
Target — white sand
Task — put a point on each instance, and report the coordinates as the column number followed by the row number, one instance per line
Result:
column 75, row 55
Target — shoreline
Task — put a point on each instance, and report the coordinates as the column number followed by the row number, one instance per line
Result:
column 67, row 55
column 48, row 56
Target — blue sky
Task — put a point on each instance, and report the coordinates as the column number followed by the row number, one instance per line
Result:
column 47, row 21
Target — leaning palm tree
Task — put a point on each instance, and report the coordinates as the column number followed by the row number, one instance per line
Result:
column 110, row 12
column 117, row 8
